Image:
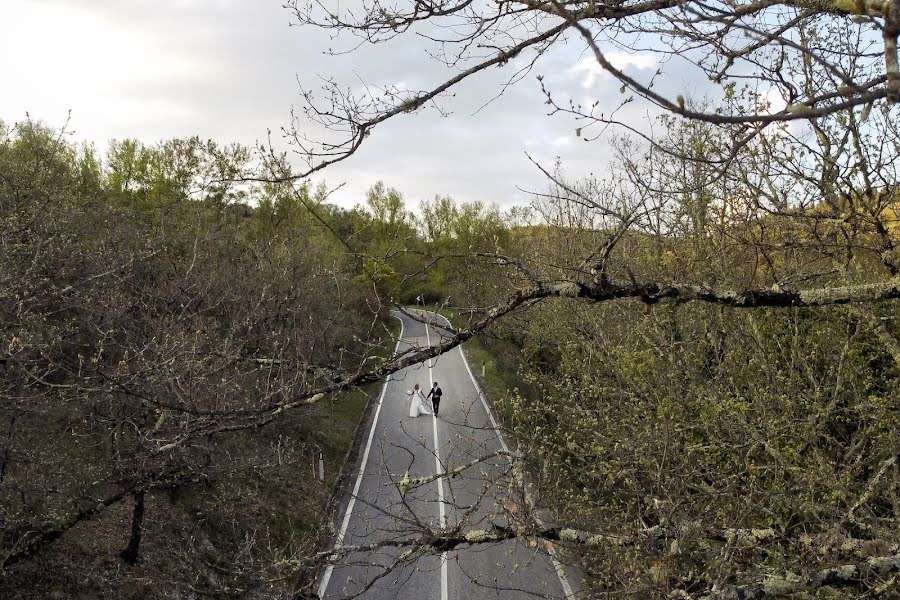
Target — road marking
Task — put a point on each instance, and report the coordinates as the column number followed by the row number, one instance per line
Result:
column 560, row 572
column 437, row 465
column 323, row 585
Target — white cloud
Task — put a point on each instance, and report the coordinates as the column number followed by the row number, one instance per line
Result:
column 229, row 69
column 58, row 57
column 590, row 71
column 775, row 101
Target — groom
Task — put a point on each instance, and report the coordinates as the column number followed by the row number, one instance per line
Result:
column 435, row 394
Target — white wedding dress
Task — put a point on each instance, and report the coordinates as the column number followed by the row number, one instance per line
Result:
column 417, row 404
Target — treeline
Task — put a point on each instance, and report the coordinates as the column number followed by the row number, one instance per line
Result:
column 702, row 450
column 158, row 311
column 695, row 449
column 705, row 451
column 173, row 330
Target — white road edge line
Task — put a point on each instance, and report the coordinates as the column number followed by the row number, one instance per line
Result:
column 323, row 585
column 560, row 572
column 439, row 470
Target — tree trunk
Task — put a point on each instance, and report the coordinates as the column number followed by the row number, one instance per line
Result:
column 130, row 554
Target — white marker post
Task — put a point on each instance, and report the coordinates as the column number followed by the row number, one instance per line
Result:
column 326, row 577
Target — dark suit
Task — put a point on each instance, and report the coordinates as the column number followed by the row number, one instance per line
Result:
column 435, row 394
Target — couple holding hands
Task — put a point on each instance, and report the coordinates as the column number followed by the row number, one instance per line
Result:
column 417, row 401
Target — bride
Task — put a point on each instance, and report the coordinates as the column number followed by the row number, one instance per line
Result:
column 417, row 402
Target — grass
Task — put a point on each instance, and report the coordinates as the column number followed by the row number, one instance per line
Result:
column 493, row 382
column 338, row 419
column 331, row 428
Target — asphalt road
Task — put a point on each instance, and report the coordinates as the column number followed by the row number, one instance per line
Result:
column 395, row 444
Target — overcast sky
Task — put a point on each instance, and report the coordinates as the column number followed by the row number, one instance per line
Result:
column 229, row 70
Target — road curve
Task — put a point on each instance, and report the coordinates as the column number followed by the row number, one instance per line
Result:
column 395, row 444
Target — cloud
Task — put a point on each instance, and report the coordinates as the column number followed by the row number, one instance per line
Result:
column 589, row 71
column 229, row 70
column 119, row 78
column 774, row 100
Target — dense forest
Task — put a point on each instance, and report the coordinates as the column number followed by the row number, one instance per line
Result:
column 695, row 352
column 177, row 340
column 160, row 321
